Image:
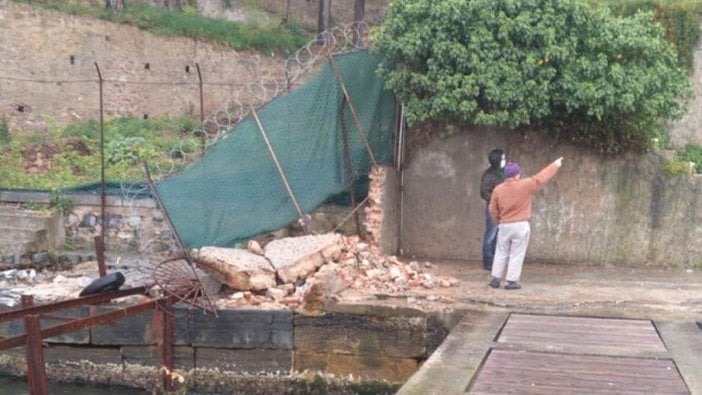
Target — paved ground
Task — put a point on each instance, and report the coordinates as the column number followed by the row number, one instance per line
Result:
column 607, row 291
column 671, row 298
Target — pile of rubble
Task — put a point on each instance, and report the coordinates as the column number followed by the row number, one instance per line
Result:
column 306, row 272
column 311, row 271
column 44, row 285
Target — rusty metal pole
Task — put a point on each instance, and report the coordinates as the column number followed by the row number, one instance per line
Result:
column 348, row 167
column 168, row 326
column 36, row 366
column 281, row 173
column 176, row 235
column 100, row 240
column 202, row 110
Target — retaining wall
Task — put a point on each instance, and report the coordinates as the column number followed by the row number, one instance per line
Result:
column 136, row 225
column 608, row 210
column 370, row 343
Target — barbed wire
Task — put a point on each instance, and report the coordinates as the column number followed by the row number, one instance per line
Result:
column 222, row 122
column 125, row 82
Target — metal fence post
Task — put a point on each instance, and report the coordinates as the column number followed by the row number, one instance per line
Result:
column 36, row 365
column 100, row 240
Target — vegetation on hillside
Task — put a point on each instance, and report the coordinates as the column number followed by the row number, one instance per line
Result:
column 680, row 18
column 282, row 39
column 565, row 66
column 70, row 156
column 686, row 161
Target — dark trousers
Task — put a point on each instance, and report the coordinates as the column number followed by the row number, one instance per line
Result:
column 489, row 241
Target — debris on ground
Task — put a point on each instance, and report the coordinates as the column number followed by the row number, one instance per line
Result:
column 306, row 272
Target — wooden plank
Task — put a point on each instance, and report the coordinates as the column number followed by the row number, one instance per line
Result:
column 518, row 372
column 638, row 335
column 649, row 340
column 575, row 326
column 590, row 339
column 580, row 320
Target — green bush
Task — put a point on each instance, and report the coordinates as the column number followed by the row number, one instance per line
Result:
column 128, row 142
column 60, row 202
column 676, row 167
column 680, row 18
column 692, row 153
column 560, row 65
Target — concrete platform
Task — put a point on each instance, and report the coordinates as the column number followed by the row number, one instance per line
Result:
column 669, row 298
column 486, row 354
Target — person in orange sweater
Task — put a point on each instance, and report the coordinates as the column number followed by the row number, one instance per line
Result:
column 510, row 207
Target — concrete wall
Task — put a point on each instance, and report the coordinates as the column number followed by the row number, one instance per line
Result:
column 368, row 342
column 137, row 226
column 622, row 210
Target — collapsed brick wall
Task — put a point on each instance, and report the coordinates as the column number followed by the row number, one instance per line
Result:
column 374, row 209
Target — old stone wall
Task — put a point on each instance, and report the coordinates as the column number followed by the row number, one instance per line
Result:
column 370, row 343
column 621, row 210
column 48, row 72
column 135, row 225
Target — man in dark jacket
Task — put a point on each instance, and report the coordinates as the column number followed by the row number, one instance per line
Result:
column 492, row 177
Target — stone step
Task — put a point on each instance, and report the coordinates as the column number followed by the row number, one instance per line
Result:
column 23, row 219
column 21, row 240
column 30, row 231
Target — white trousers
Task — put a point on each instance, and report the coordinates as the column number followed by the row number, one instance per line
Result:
column 512, row 242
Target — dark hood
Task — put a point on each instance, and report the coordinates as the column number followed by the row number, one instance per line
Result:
column 495, row 157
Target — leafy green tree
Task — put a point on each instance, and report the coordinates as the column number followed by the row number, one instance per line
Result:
column 562, row 65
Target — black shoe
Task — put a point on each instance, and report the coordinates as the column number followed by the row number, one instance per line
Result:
column 512, row 285
column 487, row 267
column 495, row 282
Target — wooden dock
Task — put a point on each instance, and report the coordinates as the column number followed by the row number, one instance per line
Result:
column 539, row 354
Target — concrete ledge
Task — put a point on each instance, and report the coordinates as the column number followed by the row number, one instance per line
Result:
column 79, row 199
column 94, row 355
column 242, row 329
column 244, row 361
column 451, row 367
column 367, row 367
column 684, row 342
column 397, row 337
column 183, row 357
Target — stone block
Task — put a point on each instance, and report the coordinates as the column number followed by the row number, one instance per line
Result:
column 247, row 329
column 367, row 367
column 78, row 337
column 131, row 330
column 239, row 269
column 183, row 357
column 298, row 257
column 244, row 361
column 396, row 337
column 16, row 327
column 95, row 355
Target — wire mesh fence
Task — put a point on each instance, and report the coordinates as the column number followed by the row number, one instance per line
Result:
column 220, row 179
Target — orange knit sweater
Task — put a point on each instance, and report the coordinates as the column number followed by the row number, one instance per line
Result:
column 511, row 200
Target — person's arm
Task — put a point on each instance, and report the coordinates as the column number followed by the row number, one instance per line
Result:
column 493, row 207
column 487, row 185
column 545, row 175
